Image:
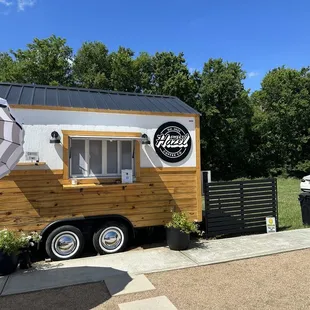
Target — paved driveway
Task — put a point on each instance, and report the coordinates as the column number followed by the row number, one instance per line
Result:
column 98, row 268
column 279, row 281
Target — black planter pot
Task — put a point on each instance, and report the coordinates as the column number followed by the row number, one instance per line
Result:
column 177, row 240
column 8, row 263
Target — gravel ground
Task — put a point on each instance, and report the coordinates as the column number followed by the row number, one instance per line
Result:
column 271, row 282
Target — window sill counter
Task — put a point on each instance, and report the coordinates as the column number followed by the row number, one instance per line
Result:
column 31, row 164
column 102, row 185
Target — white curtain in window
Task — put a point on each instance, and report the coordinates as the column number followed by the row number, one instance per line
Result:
column 95, row 157
column 112, row 157
column 78, row 162
column 126, row 155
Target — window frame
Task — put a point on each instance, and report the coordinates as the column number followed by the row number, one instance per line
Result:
column 134, row 137
column 104, row 150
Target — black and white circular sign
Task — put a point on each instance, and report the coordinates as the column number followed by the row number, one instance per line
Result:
column 172, row 142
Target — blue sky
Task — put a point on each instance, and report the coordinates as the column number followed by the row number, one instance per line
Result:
column 259, row 34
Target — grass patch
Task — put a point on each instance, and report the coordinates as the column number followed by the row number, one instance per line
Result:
column 288, row 204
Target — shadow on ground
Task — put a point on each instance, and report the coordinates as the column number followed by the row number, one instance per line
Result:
column 197, row 244
column 61, row 299
column 46, row 277
column 149, row 237
column 282, row 228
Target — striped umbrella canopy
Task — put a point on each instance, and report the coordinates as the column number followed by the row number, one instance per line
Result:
column 11, row 140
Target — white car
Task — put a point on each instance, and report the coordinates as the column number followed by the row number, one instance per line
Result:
column 305, row 184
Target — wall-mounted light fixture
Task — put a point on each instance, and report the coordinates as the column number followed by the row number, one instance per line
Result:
column 55, row 137
column 145, row 139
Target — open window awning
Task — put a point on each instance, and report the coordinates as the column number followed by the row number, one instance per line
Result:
column 11, row 140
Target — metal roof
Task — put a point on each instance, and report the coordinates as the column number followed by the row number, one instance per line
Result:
column 59, row 96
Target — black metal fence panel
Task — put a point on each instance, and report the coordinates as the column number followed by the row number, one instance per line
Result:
column 238, row 207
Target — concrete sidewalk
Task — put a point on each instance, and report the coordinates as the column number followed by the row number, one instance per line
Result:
column 99, row 268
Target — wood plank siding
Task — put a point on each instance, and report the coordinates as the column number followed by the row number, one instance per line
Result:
column 31, row 199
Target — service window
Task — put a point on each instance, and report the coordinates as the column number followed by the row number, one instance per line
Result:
column 92, row 157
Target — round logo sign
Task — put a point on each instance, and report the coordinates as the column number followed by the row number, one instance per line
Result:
column 172, row 142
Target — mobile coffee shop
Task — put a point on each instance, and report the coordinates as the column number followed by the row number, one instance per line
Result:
column 98, row 164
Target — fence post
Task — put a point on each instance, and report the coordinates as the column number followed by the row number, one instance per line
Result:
column 206, row 177
column 206, row 198
column 242, row 204
column 275, row 199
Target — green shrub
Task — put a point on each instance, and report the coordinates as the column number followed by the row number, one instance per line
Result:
column 12, row 241
column 180, row 221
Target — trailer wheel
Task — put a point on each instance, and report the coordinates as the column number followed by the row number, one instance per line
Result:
column 64, row 242
column 112, row 237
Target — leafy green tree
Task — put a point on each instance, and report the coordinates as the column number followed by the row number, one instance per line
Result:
column 193, row 94
column 144, row 72
column 123, row 73
column 282, row 121
column 45, row 61
column 8, row 68
column 91, row 67
column 170, row 75
column 169, row 70
column 226, row 119
column 166, row 73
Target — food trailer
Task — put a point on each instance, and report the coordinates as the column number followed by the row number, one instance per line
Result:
column 98, row 164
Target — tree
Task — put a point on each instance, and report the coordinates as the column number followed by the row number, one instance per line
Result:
column 282, row 121
column 167, row 74
column 226, row 116
column 123, row 73
column 170, row 75
column 91, row 67
column 193, row 93
column 143, row 65
column 46, row 61
column 7, row 68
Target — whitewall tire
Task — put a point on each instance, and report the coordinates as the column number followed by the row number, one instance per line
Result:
column 112, row 237
column 65, row 242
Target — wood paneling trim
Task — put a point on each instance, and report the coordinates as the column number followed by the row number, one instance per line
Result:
column 38, row 107
column 29, row 177
column 168, row 177
column 65, row 156
column 99, row 186
column 34, row 172
column 137, row 160
column 100, row 133
column 94, row 181
column 168, row 170
column 32, row 164
column 198, row 171
column 30, row 188
column 75, row 195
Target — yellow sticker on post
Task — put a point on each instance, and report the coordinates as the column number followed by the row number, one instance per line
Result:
column 271, row 224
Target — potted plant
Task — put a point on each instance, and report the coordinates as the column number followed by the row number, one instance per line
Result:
column 28, row 243
column 11, row 245
column 179, row 230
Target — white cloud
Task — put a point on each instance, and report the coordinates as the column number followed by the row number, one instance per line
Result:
column 21, row 4
column 6, row 2
column 252, row 74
